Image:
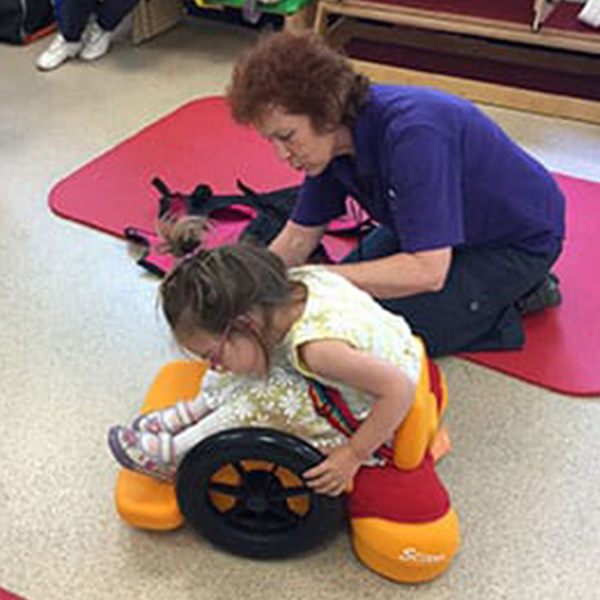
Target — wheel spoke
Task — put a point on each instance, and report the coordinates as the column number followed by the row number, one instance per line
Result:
column 239, row 468
column 226, row 488
column 299, row 490
column 239, row 513
column 283, row 514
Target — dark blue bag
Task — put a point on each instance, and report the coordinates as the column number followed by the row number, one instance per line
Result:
column 21, row 20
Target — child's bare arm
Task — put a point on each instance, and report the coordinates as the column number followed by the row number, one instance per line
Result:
column 337, row 361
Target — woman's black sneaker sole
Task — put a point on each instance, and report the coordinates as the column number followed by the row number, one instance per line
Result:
column 545, row 295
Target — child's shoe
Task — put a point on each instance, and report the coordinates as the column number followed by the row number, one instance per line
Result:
column 57, row 53
column 96, row 42
column 590, row 14
column 144, row 452
column 170, row 420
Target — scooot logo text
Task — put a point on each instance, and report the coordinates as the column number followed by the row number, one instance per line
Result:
column 414, row 556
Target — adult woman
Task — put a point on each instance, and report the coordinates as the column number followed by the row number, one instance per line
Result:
column 469, row 223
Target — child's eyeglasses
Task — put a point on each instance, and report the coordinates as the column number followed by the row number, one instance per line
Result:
column 215, row 358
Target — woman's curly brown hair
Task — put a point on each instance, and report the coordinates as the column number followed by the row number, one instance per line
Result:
column 300, row 74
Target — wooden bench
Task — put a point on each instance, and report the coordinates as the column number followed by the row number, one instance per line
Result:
column 530, row 55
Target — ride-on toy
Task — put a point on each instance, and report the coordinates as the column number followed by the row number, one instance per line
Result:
column 242, row 489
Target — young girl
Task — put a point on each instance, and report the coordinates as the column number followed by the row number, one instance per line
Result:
column 238, row 308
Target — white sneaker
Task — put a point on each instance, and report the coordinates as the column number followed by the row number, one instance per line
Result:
column 57, row 53
column 590, row 15
column 96, row 42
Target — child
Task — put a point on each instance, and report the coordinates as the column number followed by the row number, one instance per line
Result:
column 238, row 308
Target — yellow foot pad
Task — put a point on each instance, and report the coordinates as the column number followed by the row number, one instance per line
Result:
column 143, row 501
column 146, row 502
column 406, row 552
column 403, row 526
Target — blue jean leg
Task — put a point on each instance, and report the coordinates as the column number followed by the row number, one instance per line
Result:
column 112, row 12
column 476, row 309
column 380, row 242
column 73, row 15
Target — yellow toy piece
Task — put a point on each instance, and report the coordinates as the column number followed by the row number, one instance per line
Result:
column 407, row 552
column 417, row 433
column 143, row 501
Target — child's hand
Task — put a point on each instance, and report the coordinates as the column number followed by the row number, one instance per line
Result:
column 334, row 475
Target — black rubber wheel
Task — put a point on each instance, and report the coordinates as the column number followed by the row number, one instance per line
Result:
column 242, row 489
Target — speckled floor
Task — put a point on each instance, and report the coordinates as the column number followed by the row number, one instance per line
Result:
column 82, row 341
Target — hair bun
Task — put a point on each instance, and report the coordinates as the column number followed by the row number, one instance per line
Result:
column 185, row 236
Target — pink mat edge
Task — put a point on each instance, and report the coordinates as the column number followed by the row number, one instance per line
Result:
column 576, row 393
column 54, row 190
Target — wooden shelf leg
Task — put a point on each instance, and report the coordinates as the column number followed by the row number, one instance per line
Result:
column 301, row 20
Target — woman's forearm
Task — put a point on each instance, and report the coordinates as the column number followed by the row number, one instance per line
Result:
column 399, row 275
column 295, row 243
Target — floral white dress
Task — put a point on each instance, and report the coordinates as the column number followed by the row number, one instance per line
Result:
column 337, row 309
column 281, row 401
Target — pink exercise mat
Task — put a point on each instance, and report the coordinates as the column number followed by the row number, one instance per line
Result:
column 6, row 595
column 200, row 143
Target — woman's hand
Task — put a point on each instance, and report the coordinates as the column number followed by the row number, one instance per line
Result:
column 295, row 243
column 334, row 475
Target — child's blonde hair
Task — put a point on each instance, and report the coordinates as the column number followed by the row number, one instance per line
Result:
column 209, row 290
